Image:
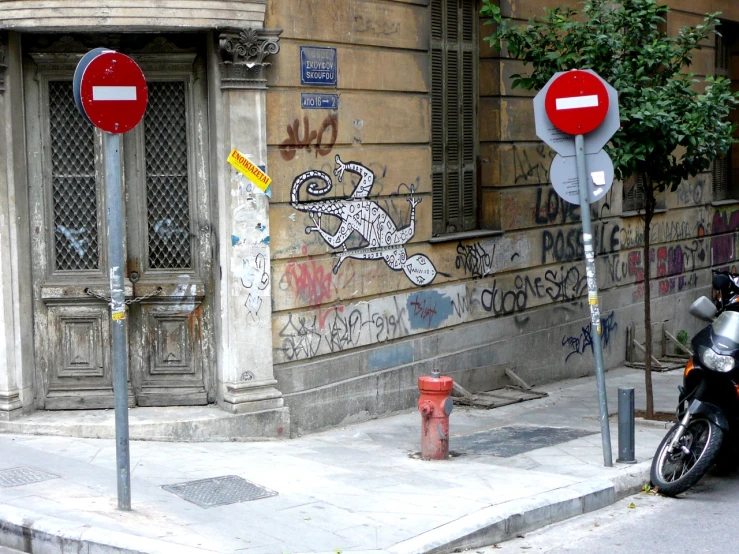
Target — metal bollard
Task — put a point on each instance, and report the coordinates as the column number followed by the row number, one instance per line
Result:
column 626, row 426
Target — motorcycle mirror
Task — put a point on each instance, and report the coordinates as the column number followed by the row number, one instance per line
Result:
column 703, row 309
column 720, row 281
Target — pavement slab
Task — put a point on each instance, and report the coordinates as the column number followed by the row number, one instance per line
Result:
column 358, row 489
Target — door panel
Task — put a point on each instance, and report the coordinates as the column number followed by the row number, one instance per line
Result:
column 80, row 375
column 167, row 346
column 165, row 180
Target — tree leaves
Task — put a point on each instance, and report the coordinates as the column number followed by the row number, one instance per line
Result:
column 661, row 111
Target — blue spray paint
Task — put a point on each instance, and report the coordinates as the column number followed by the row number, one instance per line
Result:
column 428, row 309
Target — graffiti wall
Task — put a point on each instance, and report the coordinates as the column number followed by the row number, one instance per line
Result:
column 355, row 269
column 361, row 295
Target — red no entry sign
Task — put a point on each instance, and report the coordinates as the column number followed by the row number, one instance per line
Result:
column 577, row 102
column 112, row 91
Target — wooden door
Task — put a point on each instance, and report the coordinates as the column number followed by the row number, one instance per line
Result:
column 168, row 246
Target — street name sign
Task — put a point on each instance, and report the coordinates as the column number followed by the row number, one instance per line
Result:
column 318, row 66
column 318, row 101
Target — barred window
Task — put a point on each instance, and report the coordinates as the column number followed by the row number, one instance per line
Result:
column 74, row 189
column 167, row 179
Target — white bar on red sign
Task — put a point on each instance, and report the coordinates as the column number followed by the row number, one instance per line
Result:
column 114, row 93
column 577, row 102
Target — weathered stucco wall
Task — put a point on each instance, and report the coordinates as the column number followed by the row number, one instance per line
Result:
column 122, row 15
column 350, row 341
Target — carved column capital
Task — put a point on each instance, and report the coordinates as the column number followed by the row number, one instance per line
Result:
column 3, row 59
column 242, row 53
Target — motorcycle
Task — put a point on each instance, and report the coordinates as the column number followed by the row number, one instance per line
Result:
column 708, row 405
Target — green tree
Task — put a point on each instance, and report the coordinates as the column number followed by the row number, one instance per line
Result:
column 672, row 125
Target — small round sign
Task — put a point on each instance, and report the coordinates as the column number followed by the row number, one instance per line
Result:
column 577, row 102
column 113, row 92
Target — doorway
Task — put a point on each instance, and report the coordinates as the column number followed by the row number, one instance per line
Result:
column 168, row 244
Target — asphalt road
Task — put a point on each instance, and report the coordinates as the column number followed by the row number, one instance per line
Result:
column 704, row 519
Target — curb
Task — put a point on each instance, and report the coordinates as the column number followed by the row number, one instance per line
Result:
column 31, row 532
column 498, row 523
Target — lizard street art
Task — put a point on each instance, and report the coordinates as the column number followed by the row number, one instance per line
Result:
column 359, row 214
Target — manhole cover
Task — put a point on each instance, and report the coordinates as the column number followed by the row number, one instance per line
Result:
column 16, row 476
column 219, row 491
column 509, row 441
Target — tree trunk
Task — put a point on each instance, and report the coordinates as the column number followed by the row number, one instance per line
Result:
column 649, row 206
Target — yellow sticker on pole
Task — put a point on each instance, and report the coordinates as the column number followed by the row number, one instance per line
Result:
column 117, row 316
column 249, row 170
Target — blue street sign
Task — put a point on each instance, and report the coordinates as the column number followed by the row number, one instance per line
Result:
column 318, row 66
column 317, row 101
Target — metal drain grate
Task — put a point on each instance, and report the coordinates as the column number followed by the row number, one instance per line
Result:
column 16, row 476
column 219, row 491
column 509, row 441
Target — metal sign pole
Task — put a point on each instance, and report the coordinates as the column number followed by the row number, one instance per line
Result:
column 595, row 325
column 114, row 198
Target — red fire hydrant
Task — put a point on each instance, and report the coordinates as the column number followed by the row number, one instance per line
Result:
column 435, row 405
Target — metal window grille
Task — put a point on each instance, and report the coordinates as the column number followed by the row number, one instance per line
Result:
column 167, row 182
column 74, row 191
column 454, row 53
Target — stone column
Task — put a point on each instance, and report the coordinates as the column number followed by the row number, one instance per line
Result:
column 246, row 378
column 10, row 397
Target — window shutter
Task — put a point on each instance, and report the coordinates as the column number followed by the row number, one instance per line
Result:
column 721, row 58
column 721, row 178
column 453, row 113
column 633, row 193
column 453, row 216
column 721, row 165
column 438, row 181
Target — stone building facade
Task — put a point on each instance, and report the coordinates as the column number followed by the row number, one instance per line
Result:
column 410, row 223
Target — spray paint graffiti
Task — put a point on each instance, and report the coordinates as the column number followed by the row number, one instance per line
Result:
column 580, row 343
column 475, row 259
column 75, row 237
column 359, row 214
column 295, row 142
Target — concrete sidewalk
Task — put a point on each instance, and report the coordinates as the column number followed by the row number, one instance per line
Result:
column 357, row 489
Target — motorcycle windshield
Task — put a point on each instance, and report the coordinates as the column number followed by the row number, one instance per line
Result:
column 726, row 326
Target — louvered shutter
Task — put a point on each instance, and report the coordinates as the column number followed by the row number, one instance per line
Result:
column 721, row 59
column 468, row 94
column 721, row 165
column 453, row 112
column 633, row 193
column 721, row 178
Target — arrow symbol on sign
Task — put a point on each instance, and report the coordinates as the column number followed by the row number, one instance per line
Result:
column 114, row 93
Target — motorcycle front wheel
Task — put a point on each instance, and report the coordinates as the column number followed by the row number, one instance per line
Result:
column 677, row 471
